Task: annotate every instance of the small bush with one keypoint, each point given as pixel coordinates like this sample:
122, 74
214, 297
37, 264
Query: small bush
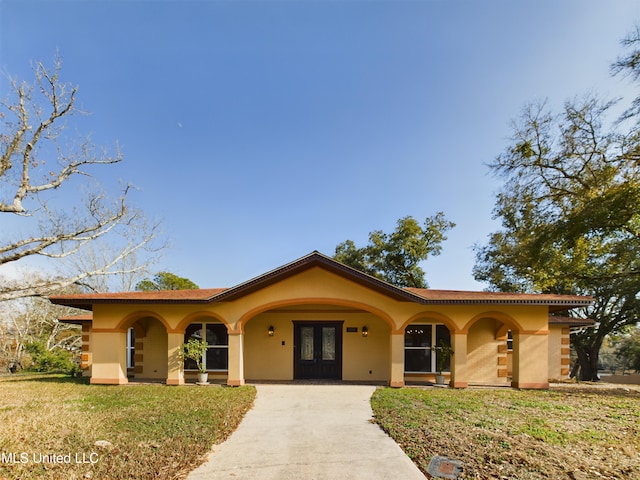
50, 361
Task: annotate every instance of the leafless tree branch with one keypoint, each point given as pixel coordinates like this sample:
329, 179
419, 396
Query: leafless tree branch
33, 165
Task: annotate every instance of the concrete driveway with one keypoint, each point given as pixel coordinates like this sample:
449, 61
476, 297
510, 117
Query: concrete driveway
309, 432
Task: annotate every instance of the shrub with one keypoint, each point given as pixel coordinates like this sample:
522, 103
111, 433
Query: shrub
50, 361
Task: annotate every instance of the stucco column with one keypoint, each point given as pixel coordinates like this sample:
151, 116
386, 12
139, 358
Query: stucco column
175, 365
109, 357
235, 376
397, 359
530, 360
459, 361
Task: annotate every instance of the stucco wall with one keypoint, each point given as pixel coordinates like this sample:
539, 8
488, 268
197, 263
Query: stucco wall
555, 354
482, 352
154, 365
366, 358
317, 295
266, 358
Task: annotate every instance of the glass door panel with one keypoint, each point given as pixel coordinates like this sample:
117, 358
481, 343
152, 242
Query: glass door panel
328, 343
306, 343
317, 349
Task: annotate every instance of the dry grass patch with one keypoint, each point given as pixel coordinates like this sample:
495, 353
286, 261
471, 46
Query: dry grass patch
153, 431
567, 433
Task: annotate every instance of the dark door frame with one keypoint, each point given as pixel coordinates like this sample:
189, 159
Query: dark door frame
317, 368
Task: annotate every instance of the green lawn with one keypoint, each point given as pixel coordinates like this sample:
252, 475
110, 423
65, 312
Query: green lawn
49, 426
161, 432
567, 433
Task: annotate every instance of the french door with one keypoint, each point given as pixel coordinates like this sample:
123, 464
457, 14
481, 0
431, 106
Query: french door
317, 350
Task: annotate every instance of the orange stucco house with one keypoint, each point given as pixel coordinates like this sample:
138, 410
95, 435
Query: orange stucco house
316, 318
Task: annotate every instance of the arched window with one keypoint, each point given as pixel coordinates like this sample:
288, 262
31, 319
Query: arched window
217, 357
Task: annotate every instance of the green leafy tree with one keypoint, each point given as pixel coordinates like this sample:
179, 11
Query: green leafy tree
395, 257
570, 215
628, 350
165, 281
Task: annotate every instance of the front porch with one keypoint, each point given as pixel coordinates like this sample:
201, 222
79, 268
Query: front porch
267, 351
318, 318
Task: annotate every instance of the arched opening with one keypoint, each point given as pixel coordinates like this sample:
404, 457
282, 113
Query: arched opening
146, 346
329, 340
489, 338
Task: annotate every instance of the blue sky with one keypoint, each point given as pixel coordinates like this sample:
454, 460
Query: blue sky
259, 131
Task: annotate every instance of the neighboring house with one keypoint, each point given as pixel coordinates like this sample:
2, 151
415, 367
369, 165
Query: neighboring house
316, 318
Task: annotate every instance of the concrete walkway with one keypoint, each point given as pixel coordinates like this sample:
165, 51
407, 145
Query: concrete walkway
309, 432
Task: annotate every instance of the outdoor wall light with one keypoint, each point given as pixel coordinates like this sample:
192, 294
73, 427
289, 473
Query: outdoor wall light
271, 330
365, 331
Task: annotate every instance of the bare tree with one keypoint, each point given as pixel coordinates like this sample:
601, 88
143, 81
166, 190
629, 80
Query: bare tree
38, 160
28, 320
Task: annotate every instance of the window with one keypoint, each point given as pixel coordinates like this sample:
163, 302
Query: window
217, 357
131, 348
510, 341
419, 340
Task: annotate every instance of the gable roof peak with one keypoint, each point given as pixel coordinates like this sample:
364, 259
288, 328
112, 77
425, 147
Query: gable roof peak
316, 259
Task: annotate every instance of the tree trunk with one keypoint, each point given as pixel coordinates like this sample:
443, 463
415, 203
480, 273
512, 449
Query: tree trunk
588, 361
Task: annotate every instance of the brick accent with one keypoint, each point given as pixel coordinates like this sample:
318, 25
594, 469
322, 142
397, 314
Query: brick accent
85, 358
565, 352
503, 361
138, 357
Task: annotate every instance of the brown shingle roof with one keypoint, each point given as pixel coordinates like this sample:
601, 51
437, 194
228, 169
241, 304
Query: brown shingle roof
316, 259
555, 302
571, 321
86, 300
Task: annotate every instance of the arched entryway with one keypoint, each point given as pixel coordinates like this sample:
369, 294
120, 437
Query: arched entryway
146, 347
486, 353
291, 341
489, 348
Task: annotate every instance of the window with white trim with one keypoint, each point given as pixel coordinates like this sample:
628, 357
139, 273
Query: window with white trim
419, 341
131, 348
217, 338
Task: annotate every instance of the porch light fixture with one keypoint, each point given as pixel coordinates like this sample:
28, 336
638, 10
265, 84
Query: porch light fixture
365, 331
271, 330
